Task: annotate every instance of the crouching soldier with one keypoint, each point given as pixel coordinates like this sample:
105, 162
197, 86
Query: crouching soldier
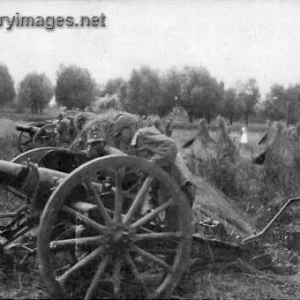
97, 146
151, 144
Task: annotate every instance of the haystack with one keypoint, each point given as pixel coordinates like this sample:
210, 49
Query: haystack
226, 149
108, 102
202, 146
83, 118
281, 161
281, 149
102, 122
269, 136
294, 132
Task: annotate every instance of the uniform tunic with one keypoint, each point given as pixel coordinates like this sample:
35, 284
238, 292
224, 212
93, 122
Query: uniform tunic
151, 144
63, 129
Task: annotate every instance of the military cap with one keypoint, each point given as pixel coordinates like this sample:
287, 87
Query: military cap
95, 135
123, 121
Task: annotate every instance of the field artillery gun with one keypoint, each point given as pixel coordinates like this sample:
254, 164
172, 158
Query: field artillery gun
41, 134
99, 234
36, 134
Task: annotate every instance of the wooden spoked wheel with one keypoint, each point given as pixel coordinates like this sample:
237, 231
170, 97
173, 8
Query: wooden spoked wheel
120, 251
25, 138
34, 155
45, 136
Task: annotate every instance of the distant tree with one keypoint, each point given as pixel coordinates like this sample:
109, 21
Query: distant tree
35, 90
171, 83
74, 87
113, 86
201, 94
283, 103
276, 103
292, 101
230, 106
248, 97
116, 87
7, 89
144, 94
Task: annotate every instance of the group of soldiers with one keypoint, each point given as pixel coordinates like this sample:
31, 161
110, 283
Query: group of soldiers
149, 142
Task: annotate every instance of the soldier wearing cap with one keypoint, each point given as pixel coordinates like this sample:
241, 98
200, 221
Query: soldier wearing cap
97, 146
151, 144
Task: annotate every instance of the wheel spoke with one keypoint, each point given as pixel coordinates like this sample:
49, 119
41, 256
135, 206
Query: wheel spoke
151, 215
85, 220
136, 273
152, 257
138, 199
96, 278
118, 197
99, 203
82, 263
157, 235
84, 241
117, 278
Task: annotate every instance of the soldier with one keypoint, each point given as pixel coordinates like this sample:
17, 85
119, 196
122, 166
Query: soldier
157, 123
63, 129
97, 146
151, 144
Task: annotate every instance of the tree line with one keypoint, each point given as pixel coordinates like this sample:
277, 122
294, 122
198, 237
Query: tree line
194, 88
148, 91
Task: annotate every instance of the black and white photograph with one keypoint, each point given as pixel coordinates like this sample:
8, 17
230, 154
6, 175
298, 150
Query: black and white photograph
149, 149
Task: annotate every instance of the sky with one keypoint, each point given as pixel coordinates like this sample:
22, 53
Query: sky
234, 40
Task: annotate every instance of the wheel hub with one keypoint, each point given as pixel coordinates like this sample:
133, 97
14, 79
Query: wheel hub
117, 241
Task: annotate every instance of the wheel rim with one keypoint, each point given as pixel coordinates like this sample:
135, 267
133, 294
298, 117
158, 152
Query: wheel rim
119, 242
34, 155
46, 136
25, 141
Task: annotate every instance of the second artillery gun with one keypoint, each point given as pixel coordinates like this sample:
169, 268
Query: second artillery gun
36, 134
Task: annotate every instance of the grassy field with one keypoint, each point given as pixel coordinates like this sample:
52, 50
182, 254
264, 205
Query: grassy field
212, 282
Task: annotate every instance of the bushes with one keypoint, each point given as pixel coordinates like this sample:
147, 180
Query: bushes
9, 147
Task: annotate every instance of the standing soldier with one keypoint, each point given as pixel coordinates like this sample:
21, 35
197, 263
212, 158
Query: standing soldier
63, 129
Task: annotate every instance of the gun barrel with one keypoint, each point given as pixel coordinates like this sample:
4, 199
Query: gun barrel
30, 179
12, 174
36, 183
26, 128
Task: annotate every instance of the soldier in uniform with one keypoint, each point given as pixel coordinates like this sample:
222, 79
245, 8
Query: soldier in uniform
151, 144
63, 129
97, 146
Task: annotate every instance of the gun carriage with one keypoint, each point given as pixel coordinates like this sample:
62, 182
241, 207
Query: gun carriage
36, 134
99, 232
40, 134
